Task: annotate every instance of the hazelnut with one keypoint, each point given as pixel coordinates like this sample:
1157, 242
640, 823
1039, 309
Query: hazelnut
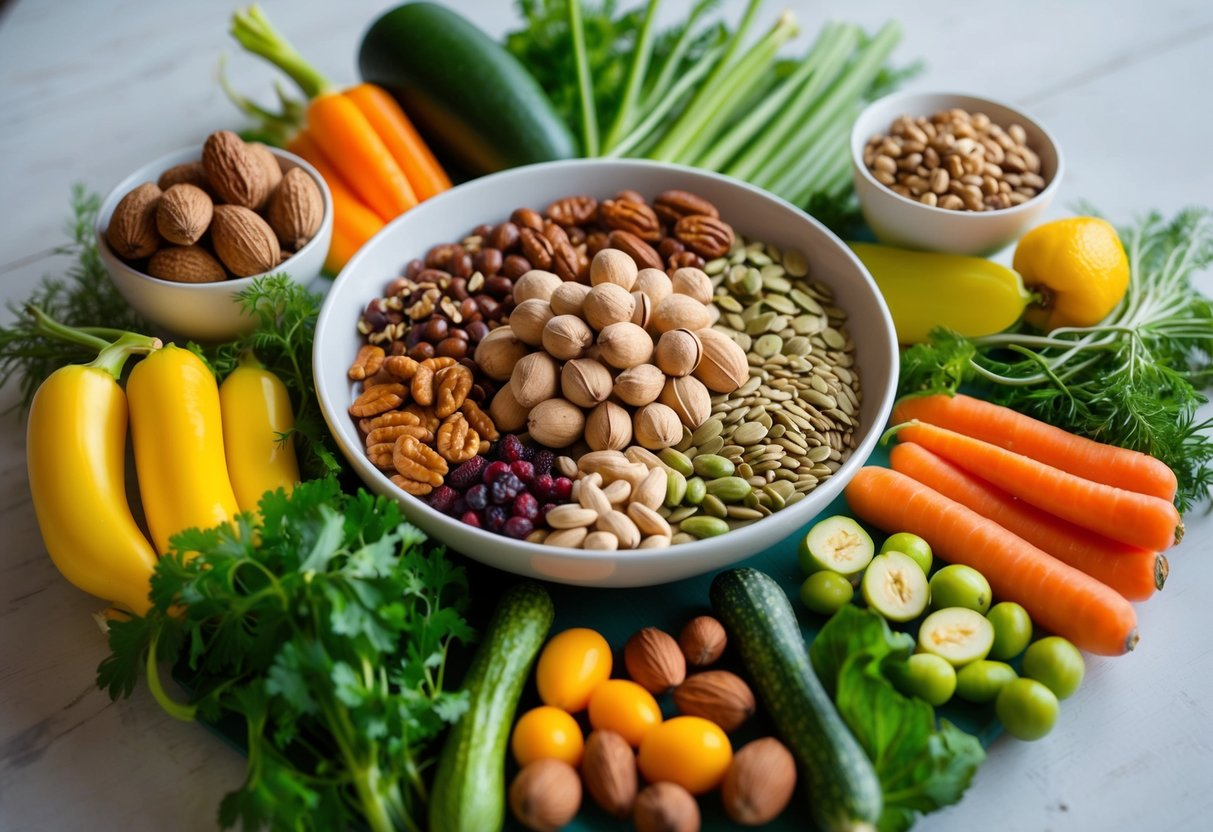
613, 266
546, 794
569, 298
534, 379
655, 284
689, 281
606, 304
557, 423
656, 426
585, 382
536, 284
566, 337
687, 397
608, 428
666, 807
505, 411
528, 320
639, 385
678, 352
625, 345
680, 312
498, 352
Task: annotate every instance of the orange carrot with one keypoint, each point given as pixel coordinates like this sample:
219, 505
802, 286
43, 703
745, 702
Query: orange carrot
402, 139
359, 155
353, 222
1133, 572
1057, 596
1001, 426
1137, 519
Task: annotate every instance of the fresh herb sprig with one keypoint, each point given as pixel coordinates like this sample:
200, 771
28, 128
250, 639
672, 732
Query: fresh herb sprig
324, 625
1133, 380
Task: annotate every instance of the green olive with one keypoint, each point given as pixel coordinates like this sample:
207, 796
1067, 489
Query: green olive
1012, 629
983, 680
960, 586
910, 544
1026, 708
1055, 663
826, 592
927, 676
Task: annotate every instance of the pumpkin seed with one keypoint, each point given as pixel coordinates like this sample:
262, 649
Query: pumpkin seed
713, 506
702, 527
795, 262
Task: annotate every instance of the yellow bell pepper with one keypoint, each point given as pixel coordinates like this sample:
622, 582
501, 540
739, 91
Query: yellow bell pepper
925, 290
76, 455
178, 441
256, 412
1079, 269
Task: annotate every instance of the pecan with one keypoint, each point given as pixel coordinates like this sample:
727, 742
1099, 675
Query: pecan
383, 420
401, 367
707, 236
422, 384
379, 399
417, 489
595, 242
457, 442
572, 210
381, 376
629, 195
635, 217
645, 255
683, 259
526, 218
451, 386
504, 236
381, 455
391, 433
669, 247
671, 206
417, 462
425, 416
537, 249
479, 420
565, 261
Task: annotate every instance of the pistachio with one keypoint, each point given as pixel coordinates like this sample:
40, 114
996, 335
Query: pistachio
655, 284
693, 283
606, 304
608, 427
642, 312
689, 399
724, 366
529, 319
569, 298
536, 284
534, 379
656, 426
680, 312
625, 345
585, 382
613, 266
566, 337
639, 385
679, 352
505, 411
556, 423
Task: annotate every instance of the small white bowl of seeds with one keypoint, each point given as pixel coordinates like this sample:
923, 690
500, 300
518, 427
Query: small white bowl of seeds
951, 172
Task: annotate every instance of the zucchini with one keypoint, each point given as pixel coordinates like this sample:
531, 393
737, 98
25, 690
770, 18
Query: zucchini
469, 786
844, 789
476, 105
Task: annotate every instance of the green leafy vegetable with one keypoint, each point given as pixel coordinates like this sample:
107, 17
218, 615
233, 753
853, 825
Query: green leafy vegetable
922, 766
324, 626
1133, 380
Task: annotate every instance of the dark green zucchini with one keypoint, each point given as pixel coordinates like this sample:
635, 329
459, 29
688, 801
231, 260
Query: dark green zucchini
476, 105
844, 790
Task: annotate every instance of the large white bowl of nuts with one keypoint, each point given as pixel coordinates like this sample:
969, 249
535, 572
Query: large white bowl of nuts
606, 372
949, 172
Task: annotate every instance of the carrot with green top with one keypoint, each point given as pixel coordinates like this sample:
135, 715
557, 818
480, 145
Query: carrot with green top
1004, 427
1059, 597
1138, 519
1133, 572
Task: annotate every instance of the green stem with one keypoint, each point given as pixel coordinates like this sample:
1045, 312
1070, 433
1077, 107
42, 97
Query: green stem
812, 169
113, 358
253, 30
673, 62
175, 709
585, 86
636, 73
46, 325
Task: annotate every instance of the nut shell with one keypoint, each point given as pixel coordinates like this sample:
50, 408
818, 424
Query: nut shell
654, 660
186, 264
498, 352
529, 319
703, 640
296, 208
568, 298
184, 214
566, 337
271, 171
545, 795
680, 312
656, 426
608, 427
556, 423
535, 379
132, 232
655, 283
724, 366
613, 266
235, 173
639, 385
666, 807
692, 282
608, 768
191, 173
716, 695
624, 345
678, 352
759, 783
536, 284
606, 304
505, 411
585, 382
244, 241
689, 398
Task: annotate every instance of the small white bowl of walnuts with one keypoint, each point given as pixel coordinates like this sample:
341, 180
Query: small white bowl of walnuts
183, 235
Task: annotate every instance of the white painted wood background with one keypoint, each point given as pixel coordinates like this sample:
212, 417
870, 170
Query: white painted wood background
89, 90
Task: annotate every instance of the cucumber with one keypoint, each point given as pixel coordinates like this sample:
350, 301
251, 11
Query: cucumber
476, 105
844, 789
469, 786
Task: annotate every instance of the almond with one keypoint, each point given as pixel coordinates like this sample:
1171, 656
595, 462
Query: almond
184, 214
759, 782
608, 769
233, 171
191, 173
296, 208
545, 795
716, 695
666, 807
702, 640
132, 230
244, 242
271, 171
654, 661
186, 264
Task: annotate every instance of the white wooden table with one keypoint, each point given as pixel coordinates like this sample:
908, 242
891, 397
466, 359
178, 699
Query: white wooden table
89, 90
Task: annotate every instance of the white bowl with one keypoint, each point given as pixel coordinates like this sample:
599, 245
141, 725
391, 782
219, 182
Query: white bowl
203, 311
451, 215
900, 221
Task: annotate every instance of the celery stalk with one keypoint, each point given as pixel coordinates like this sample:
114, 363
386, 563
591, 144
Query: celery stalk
791, 121
636, 72
585, 87
727, 146
669, 70
830, 151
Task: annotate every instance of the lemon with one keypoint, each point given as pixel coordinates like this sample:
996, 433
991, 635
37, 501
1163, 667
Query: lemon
1078, 267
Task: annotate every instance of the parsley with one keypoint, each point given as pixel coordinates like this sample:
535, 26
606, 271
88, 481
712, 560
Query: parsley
1133, 380
324, 627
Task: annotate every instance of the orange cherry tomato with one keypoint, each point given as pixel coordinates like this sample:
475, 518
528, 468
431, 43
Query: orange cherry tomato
547, 733
571, 666
626, 708
687, 750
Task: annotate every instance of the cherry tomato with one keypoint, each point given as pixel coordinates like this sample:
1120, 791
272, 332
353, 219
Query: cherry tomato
687, 750
918, 549
1055, 663
626, 708
826, 592
547, 733
927, 676
1026, 708
573, 663
982, 680
1012, 629
960, 586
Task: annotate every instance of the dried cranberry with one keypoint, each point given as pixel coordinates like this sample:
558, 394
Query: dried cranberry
495, 470
525, 505
562, 488
545, 508
495, 518
477, 497
458, 507
518, 527
471, 518
443, 499
542, 486
513, 450
524, 470
505, 488
468, 474
544, 460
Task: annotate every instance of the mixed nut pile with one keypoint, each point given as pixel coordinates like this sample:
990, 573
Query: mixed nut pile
608, 375
233, 213
956, 160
